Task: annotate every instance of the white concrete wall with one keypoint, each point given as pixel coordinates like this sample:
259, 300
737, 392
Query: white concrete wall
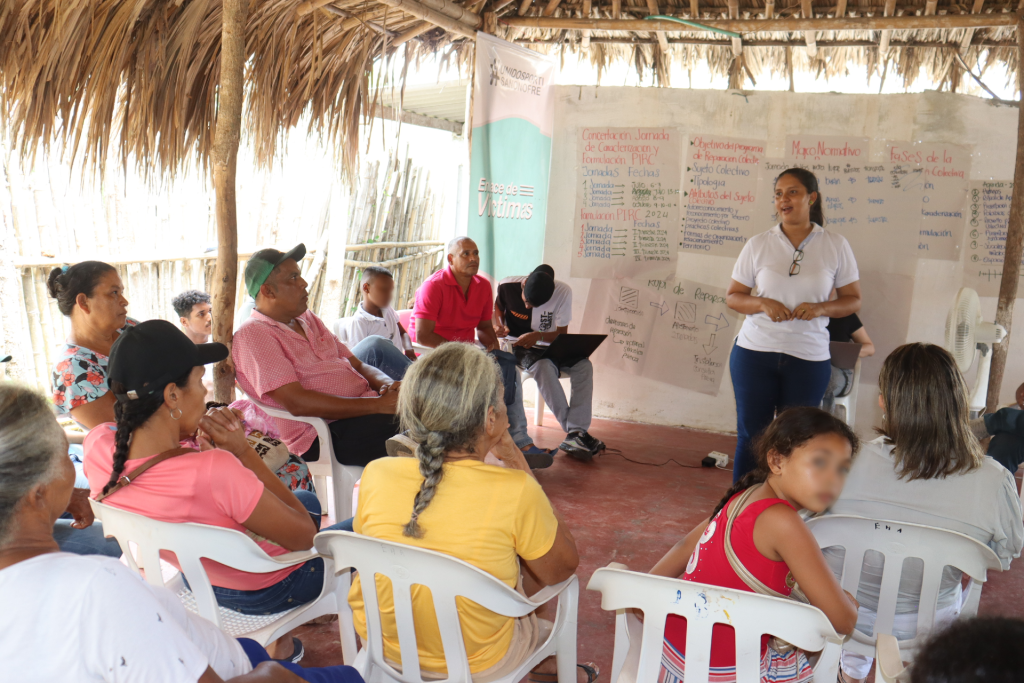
771, 116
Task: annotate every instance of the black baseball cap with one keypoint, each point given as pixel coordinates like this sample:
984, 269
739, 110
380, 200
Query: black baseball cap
262, 263
539, 286
151, 355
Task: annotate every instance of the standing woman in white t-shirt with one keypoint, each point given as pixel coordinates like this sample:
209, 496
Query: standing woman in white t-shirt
781, 356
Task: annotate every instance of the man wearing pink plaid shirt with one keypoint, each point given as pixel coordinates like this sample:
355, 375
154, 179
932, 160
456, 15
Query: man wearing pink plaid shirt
286, 357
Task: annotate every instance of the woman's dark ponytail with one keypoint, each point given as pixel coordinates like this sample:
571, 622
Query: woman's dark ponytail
790, 430
810, 183
65, 283
131, 415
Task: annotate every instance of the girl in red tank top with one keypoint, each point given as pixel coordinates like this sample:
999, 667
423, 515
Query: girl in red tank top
803, 458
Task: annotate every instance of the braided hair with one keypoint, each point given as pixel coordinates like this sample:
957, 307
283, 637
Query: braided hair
443, 406
132, 414
790, 430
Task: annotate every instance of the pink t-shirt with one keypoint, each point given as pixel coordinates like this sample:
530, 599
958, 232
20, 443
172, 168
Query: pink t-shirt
210, 487
455, 315
269, 355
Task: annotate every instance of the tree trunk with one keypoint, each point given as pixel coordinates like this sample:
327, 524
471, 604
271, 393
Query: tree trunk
1014, 248
225, 163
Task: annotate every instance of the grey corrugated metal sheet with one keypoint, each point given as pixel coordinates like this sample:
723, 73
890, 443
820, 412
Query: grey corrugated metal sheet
444, 100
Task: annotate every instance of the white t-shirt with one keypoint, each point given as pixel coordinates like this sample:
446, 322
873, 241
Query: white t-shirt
87, 618
361, 325
557, 312
764, 265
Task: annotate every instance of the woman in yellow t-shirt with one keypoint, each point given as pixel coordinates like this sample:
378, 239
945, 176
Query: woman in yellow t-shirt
448, 500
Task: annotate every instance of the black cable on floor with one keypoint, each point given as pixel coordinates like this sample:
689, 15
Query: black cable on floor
615, 451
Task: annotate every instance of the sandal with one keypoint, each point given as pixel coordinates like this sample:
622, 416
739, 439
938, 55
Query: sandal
590, 668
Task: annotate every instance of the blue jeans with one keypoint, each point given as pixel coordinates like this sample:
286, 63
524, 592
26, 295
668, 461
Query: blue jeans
765, 384
325, 674
88, 541
383, 355
513, 398
301, 586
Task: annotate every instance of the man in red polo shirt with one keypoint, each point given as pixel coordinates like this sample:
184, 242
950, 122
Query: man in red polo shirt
455, 304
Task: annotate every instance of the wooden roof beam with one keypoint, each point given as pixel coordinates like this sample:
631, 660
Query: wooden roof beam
734, 13
969, 33
931, 5
524, 7
807, 12
841, 8
616, 9
552, 5
439, 13
587, 11
883, 42
822, 44
902, 23
769, 9
652, 7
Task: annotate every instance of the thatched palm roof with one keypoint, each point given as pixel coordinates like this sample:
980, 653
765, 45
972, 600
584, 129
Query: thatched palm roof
142, 74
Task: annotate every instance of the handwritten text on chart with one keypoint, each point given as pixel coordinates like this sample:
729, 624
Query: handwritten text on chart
627, 202
947, 169
988, 217
719, 188
674, 331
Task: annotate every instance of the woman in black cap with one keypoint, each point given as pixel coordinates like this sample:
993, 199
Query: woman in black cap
156, 372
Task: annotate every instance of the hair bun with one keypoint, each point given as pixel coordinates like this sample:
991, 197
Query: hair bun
55, 281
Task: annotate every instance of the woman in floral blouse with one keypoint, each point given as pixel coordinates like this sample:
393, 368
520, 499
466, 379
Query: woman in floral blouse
91, 294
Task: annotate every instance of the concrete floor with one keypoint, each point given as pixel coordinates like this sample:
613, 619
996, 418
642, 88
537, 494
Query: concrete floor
630, 506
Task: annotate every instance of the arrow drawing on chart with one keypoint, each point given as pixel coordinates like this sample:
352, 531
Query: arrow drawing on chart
709, 351
661, 306
720, 322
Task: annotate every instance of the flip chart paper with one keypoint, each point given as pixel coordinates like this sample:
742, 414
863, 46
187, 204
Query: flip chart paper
988, 217
627, 202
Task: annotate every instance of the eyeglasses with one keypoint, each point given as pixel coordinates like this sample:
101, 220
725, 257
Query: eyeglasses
794, 268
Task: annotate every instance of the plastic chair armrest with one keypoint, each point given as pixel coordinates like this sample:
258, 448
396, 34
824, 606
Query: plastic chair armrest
887, 655
549, 592
295, 557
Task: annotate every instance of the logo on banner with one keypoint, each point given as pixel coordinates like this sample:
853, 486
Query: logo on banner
504, 201
516, 80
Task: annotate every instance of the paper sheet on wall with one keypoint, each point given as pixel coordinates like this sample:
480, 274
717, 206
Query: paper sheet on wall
817, 148
673, 331
875, 206
988, 217
719, 190
947, 169
627, 202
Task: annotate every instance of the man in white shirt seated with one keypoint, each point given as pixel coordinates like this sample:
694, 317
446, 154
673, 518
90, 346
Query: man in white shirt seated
374, 333
531, 311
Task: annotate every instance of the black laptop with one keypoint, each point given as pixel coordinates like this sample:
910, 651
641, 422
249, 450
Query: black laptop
565, 351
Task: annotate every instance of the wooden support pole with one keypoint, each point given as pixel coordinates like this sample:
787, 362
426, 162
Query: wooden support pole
969, 33
412, 33
807, 12
694, 10
552, 5
464, 25
734, 13
772, 43
769, 9
1014, 248
225, 162
616, 9
524, 7
904, 23
841, 8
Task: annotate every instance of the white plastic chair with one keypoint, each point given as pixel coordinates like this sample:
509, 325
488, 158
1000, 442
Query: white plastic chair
446, 577
190, 542
897, 541
638, 646
849, 402
343, 477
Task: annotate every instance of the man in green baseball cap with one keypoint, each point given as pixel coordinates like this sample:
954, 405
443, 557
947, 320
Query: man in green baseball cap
285, 356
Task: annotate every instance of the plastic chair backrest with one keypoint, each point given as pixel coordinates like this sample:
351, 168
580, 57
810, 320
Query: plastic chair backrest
750, 614
897, 541
447, 578
405, 318
190, 543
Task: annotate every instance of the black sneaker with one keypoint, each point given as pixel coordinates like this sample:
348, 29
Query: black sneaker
538, 458
576, 448
592, 442
297, 654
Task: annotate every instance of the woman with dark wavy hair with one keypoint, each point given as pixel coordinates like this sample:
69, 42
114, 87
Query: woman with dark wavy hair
926, 467
781, 355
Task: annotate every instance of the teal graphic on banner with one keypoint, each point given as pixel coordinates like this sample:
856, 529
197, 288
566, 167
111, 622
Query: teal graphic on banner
511, 156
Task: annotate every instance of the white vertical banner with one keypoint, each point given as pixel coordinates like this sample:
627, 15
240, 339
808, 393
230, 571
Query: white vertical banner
513, 118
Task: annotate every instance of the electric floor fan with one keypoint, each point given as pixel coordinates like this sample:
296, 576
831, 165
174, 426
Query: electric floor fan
969, 337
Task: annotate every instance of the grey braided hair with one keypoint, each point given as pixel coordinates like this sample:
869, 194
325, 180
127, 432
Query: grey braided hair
443, 406
31, 444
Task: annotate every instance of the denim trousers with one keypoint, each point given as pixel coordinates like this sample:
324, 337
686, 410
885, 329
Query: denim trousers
766, 383
324, 674
513, 397
88, 541
380, 353
301, 586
